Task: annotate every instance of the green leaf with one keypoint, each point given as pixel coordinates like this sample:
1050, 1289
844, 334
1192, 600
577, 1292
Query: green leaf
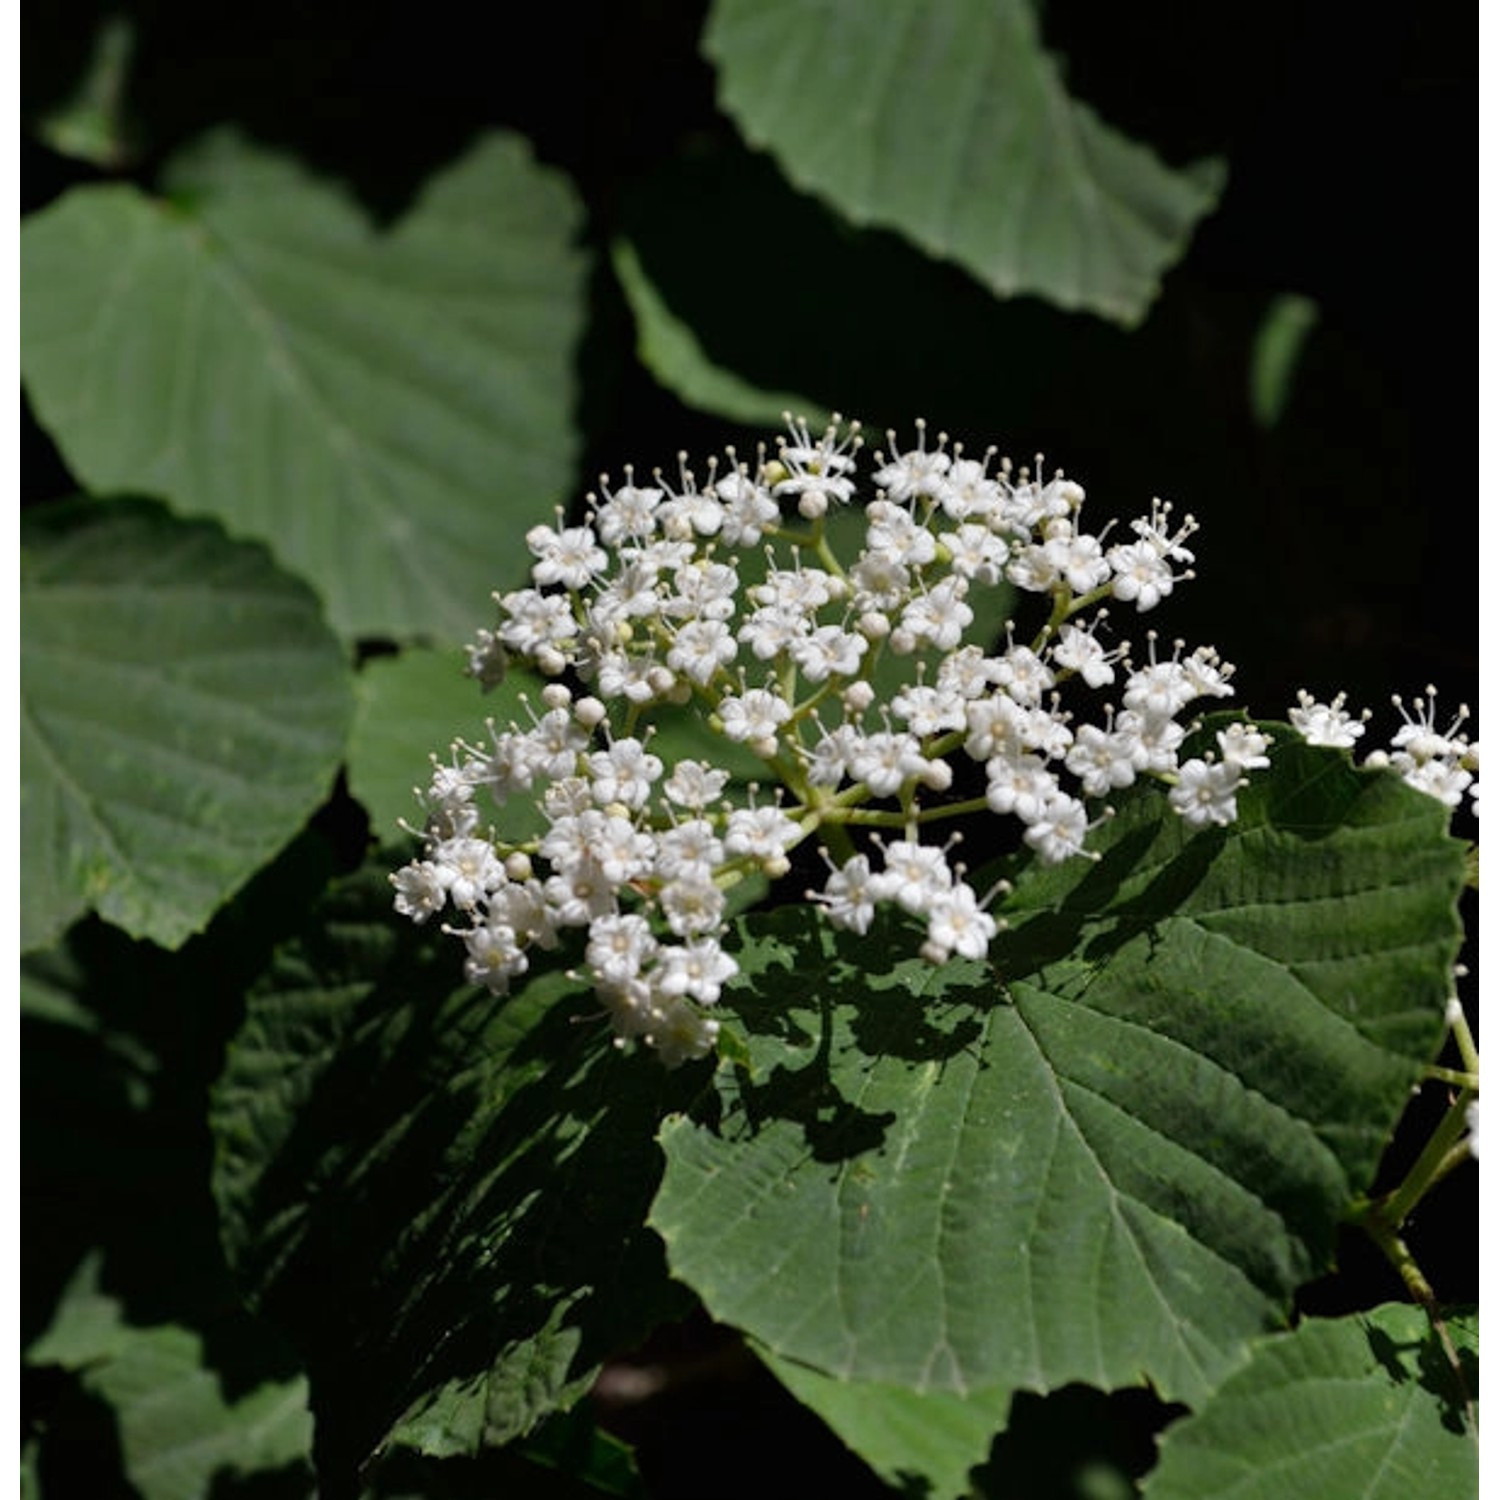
1356, 1408
950, 124
1111, 1154
384, 410
183, 711
91, 124
87, 1327
567, 1458
182, 1420
473, 1173
413, 706
1279, 343
178, 1427
918, 1443
669, 348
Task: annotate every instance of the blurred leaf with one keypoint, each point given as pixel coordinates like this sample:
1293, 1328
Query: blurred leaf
87, 1327
183, 711
179, 1431
91, 124
669, 348
1357, 1408
1278, 347
472, 1172
922, 1443
181, 1419
413, 706
949, 123
1112, 1153
383, 410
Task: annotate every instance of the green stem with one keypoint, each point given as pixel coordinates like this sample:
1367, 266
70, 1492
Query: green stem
837, 841
1438, 1074
1465, 1040
1395, 1208
1396, 1252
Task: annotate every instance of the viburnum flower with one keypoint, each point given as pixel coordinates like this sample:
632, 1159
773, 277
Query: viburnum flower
825, 621
1443, 763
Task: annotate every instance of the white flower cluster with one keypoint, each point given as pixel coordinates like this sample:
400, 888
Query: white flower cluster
730, 596
1444, 763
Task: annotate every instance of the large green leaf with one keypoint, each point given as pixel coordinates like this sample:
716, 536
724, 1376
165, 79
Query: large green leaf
470, 1174
183, 711
948, 122
1358, 1408
384, 410
1111, 1154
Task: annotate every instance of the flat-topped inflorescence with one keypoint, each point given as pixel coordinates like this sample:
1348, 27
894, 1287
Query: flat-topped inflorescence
731, 597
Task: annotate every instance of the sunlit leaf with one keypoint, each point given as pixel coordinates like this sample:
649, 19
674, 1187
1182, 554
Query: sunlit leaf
950, 123
183, 711
1112, 1153
383, 409
1358, 1408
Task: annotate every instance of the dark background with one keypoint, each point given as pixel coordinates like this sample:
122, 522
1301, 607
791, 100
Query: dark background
1338, 548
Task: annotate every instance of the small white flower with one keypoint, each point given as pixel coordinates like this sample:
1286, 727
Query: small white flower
828, 652
957, 924
918, 474
1079, 651
915, 875
700, 649
1060, 831
885, 760
1204, 793
420, 890
761, 833
680, 1033
691, 905
629, 514
570, 557
1101, 761
469, 869
754, 717
1325, 723
698, 969
619, 947
1020, 784
690, 848
623, 773
1143, 577
849, 897
1243, 745
694, 785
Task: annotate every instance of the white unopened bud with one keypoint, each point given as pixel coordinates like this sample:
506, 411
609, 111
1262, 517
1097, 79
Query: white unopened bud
555, 695
858, 696
813, 505
590, 712
551, 662
518, 866
938, 775
874, 626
